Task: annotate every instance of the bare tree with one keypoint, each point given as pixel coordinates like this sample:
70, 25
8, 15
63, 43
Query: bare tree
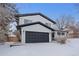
65, 21
77, 9
77, 26
7, 12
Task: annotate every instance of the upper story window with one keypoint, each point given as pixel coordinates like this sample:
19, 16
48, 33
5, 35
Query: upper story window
48, 24
27, 21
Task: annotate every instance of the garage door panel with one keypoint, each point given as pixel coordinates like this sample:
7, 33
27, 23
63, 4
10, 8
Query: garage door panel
32, 37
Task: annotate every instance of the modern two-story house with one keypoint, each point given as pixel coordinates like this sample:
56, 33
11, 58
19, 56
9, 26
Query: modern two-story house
36, 27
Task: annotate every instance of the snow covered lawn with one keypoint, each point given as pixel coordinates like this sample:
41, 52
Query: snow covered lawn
71, 48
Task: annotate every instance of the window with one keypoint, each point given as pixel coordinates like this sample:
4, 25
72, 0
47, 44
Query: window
60, 33
48, 24
1, 4
27, 21
63, 33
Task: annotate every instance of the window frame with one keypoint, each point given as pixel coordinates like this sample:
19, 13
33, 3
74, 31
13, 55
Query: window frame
48, 24
60, 33
26, 21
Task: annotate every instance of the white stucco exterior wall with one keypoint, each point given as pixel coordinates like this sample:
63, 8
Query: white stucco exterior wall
35, 28
36, 18
22, 36
50, 36
58, 36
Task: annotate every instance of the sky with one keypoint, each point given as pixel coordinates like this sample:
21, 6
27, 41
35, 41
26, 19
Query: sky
52, 10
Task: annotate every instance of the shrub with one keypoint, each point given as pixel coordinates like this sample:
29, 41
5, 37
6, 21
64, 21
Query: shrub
61, 40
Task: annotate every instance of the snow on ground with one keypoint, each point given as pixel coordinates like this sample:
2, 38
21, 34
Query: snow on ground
71, 48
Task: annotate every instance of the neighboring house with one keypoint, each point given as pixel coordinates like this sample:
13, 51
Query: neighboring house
36, 27
73, 32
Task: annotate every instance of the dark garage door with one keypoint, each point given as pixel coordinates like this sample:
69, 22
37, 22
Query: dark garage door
33, 37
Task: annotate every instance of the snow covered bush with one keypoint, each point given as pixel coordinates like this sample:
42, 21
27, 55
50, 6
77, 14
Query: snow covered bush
61, 39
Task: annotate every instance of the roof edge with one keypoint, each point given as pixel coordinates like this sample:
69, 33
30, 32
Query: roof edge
32, 14
34, 24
